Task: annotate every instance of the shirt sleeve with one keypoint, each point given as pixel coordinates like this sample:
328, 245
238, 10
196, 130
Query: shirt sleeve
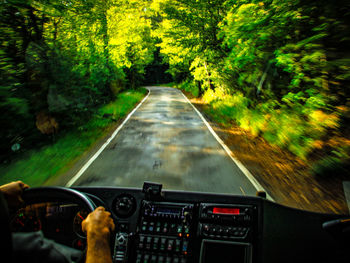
34, 247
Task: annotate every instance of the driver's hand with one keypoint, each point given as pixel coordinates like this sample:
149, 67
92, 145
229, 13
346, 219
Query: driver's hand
13, 193
98, 222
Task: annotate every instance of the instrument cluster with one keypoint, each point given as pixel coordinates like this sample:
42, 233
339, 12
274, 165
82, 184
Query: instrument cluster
58, 221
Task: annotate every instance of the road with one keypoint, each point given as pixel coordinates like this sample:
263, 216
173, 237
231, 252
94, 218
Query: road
166, 141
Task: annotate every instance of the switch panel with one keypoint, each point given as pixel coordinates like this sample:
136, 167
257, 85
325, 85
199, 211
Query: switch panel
164, 232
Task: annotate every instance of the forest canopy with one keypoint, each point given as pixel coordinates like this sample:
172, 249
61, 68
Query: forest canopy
277, 68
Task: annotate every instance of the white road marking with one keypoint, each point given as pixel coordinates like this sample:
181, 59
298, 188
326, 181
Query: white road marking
244, 170
346, 187
86, 166
242, 190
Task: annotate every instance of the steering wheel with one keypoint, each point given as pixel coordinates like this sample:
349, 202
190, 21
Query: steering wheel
39, 195
56, 193
52, 194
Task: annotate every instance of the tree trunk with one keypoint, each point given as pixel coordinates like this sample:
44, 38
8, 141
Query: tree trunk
210, 83
200, 91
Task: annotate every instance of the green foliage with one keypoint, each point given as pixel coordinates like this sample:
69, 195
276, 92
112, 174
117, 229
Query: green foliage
125, 101
131, 44
278, 69
38, 166
189, 86
61, 61
331, 166
279, 125
189, 41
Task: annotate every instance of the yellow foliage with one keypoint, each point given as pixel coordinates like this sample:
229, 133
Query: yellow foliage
321, 118
244, 122
209, 96
218, 94
318, 144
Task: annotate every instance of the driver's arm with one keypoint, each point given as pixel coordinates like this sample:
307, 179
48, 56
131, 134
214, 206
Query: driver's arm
98, 226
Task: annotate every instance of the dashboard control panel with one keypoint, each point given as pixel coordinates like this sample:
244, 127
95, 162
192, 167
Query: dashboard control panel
164, 232
223, 232
226, 229
226, 222
174, 232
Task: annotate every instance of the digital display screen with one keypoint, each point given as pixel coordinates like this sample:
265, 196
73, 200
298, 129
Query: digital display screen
226, 211
168, 211
224, 252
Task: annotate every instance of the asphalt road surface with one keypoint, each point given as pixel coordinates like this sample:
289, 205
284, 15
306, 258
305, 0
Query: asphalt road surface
166, 141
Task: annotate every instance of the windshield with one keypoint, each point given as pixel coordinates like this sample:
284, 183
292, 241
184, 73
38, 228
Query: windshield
224, 96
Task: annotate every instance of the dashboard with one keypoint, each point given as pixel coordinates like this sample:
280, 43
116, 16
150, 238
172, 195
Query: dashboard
182, 227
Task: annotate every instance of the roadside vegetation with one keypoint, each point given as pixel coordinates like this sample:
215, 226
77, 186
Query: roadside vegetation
278, 69
36, 166
69, 70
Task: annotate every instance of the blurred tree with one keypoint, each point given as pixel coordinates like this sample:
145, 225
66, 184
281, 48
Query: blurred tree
131, 44
189, 33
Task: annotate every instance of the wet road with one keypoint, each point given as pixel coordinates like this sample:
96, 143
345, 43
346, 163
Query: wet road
166, 141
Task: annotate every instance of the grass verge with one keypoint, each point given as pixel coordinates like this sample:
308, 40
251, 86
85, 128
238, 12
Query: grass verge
37, 166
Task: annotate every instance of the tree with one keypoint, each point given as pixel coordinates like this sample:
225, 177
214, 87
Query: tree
131, 44
189, 34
